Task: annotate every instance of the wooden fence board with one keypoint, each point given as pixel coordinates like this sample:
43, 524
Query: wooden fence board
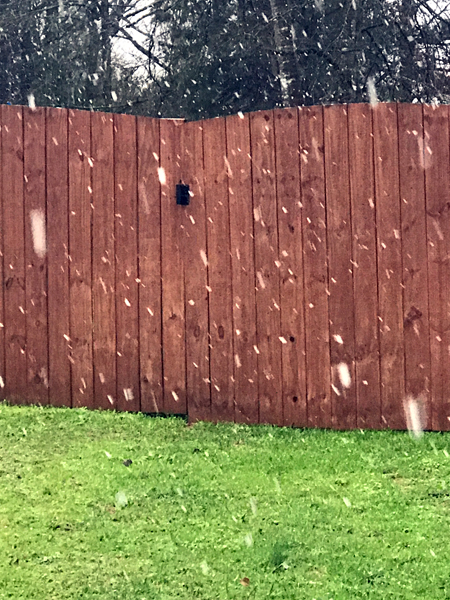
173, 293
2, 270
267, 274
195, 257
362, 191
243, 272
58, 258
414, 253
291, 267
14, 255
315, 266
340, 268
437, 191
35, 255
80, 275
103, 261
389, 265
220, 279
149, 236
127, 307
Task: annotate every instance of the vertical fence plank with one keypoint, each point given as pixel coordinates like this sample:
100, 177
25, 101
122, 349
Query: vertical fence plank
35, 255
340, 268
127, 307
173, 293
2, 265
367, 360
291, 267
80, 276
58, 261
14, 254
149, 236
389, 265
414, 246
437, 192
195, 255
267, 274
243, 273
220, 297
103, 262
315, 266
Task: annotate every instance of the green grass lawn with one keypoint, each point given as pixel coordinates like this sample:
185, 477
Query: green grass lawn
217, 511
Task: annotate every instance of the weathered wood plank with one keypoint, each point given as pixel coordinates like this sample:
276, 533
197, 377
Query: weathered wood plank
390, 292
315, 266
437, 190
220, 297
35, 255
267, 274
291, 267
195, 257
2, 271
414, 254
340, 268
127, 308
243, 271
173, 292
80, 241
149, 236
58, 258
103, 261
365, 285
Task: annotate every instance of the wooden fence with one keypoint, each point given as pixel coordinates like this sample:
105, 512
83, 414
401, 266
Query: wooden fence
307, 283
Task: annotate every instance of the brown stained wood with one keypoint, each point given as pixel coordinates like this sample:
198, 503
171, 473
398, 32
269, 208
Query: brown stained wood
58, 261
340, 268
14, 255
103, 261
195, 255
219, 270
367, 360
2, 278
80, 273
390, 291
149, 235
414, 250
291, 267
35, 255
127, 307
437, 192
243, 272
173, 293
312, 181
267, 274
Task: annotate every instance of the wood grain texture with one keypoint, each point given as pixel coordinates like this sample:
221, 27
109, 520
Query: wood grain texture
389, 248
195, 258
340, 268
35, 215
267, 273
173, 292
127, 307
365, 285
219, 271
103, 261
289, 215
315, 266
58, 258
149, 235
243, 269
437, 190
2, 268
80, 271
14, 255
414, 254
